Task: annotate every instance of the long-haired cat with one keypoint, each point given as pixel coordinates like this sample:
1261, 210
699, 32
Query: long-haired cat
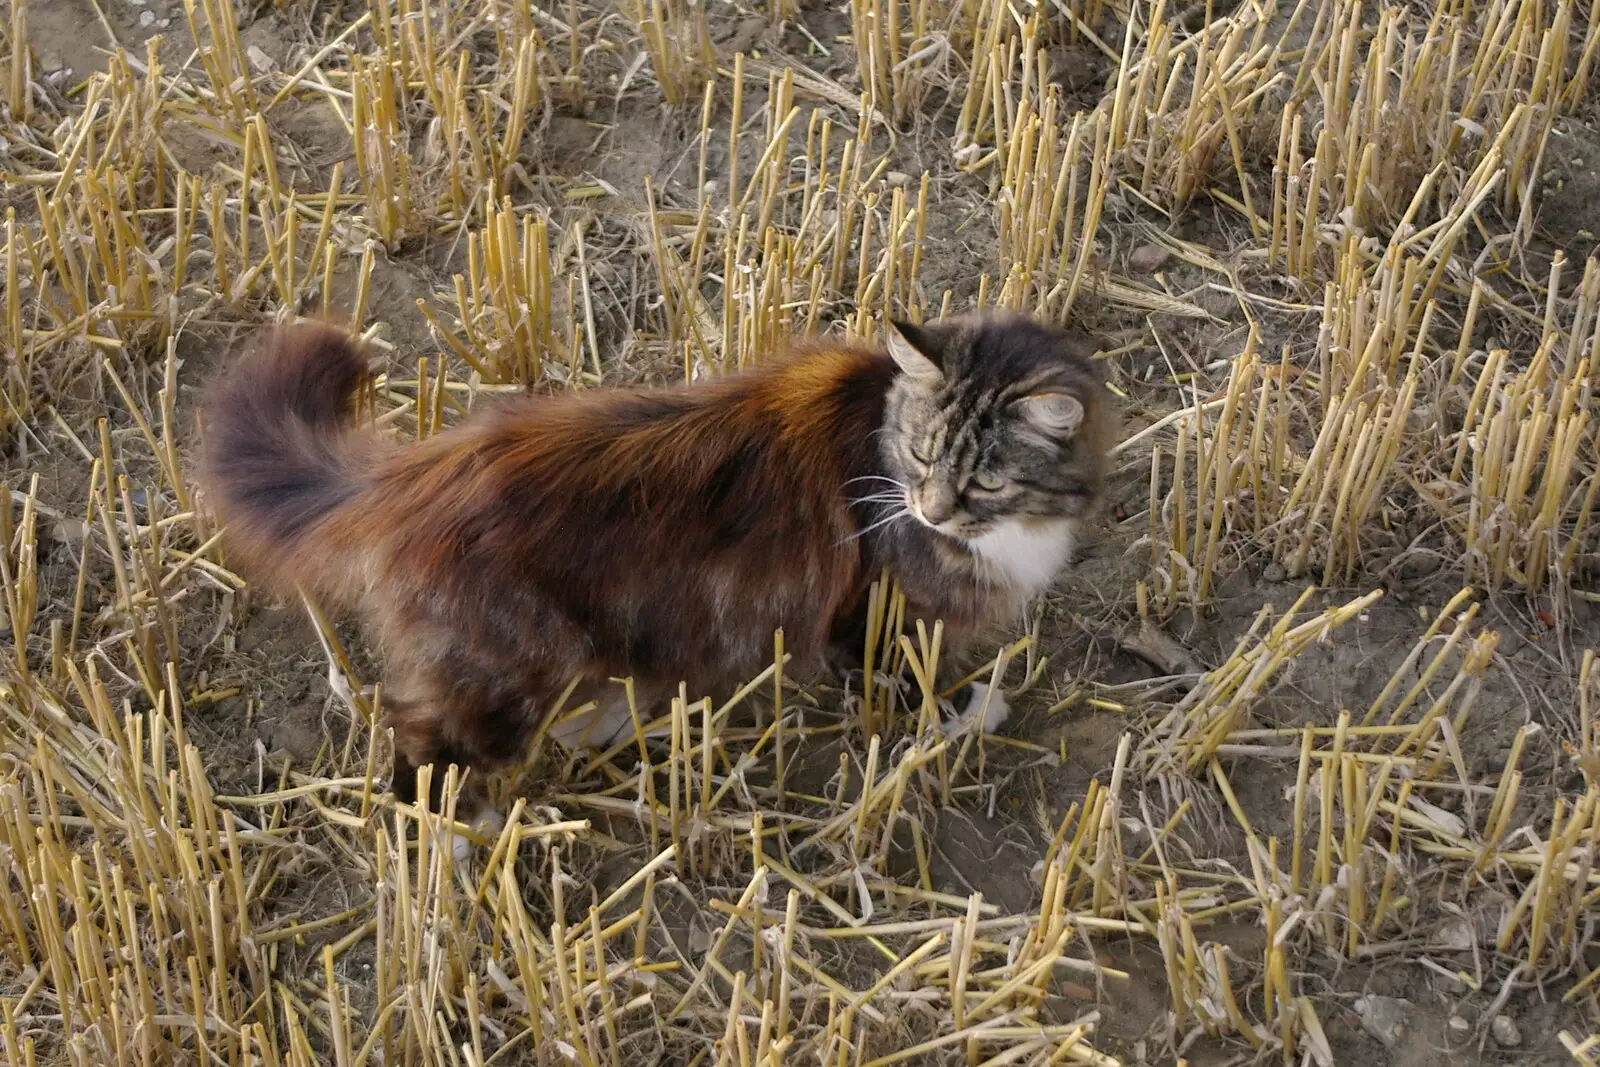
659, 534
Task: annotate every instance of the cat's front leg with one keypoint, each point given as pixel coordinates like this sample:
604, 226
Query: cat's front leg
982, 707
986, 711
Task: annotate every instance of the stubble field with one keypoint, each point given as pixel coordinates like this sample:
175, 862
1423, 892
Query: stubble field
1307, 769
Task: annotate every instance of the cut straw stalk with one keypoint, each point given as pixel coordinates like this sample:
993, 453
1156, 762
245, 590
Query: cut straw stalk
787, 250
19, 65
678, 39
504, 301
1375, 347
1527, 512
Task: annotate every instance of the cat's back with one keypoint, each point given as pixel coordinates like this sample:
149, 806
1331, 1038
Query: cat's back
653, 526
760, 451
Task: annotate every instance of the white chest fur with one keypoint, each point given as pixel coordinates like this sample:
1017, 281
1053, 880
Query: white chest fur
1024, 557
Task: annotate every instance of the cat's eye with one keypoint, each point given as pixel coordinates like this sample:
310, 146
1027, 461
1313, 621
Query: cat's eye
989, 483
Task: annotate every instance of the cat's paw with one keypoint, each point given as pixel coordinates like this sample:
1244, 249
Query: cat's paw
489, 823
596, 729
986, 712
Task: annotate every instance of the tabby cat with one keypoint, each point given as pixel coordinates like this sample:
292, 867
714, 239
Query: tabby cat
660, 534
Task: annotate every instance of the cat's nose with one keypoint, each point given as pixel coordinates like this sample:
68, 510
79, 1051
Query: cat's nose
937, 506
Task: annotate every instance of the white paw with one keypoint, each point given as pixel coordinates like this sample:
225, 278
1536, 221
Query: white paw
986, 711
598, 728
489, 823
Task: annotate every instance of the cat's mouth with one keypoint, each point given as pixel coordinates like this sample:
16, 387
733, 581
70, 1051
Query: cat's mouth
957, 529
1072, 504
944, 526
967, 530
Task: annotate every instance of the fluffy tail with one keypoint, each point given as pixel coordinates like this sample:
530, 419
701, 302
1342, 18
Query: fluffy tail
279, 454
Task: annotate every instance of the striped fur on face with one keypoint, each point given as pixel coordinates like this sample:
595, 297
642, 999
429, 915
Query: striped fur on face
992, 423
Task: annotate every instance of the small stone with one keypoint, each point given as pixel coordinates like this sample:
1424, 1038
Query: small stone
1383, 1017
1458, 1025
1148, 258
1419, 566
1274, 572
967, 155
1455, 935
68, 531
259, 59
147, 19
897, 178
1503, 1028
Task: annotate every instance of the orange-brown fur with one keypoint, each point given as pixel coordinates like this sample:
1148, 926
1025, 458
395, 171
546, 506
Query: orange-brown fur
658, 534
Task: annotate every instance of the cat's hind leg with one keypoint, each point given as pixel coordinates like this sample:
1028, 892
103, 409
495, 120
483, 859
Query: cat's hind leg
478, 728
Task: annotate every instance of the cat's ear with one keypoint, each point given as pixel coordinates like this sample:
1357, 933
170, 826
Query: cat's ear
1057, 414
916, 352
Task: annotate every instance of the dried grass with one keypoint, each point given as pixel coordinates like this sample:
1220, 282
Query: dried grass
1404, 386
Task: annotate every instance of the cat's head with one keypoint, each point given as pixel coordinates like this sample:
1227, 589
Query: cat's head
994, 418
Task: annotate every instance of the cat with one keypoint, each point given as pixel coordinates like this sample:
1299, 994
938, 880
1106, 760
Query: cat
548, 545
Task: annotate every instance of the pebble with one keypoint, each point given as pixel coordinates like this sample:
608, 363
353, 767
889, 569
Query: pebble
1383, 1017
68, 531
1274, 572
1503, 1028
1148, 258
1420, 567
967, 155
897, 178
147, 19
1458, 1025
1456, 934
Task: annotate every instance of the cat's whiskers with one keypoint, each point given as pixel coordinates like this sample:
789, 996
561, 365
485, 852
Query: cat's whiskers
899, 513
897, 493
879, 498
875, 478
